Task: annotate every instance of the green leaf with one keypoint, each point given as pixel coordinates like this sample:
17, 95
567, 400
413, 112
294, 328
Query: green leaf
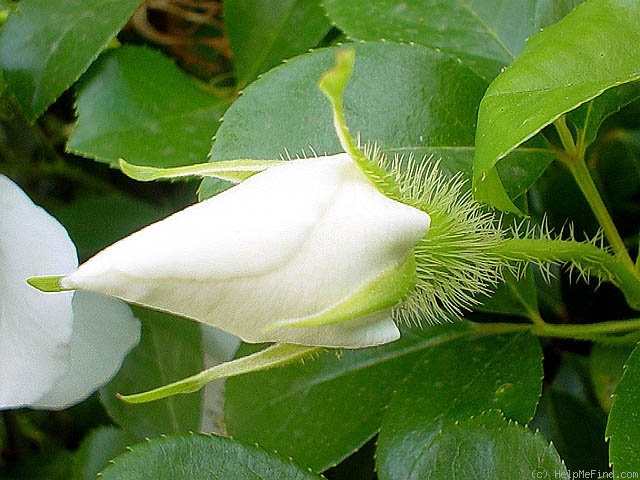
497, 372
420, 100
549, 12
45, 46
606, 364
201, 457
578, 432
136, 104
572, 377
476, 32
170, 349
487, 446
568, 417
323, 410
263, 34
561, 199
97, 449
486, 35
588, 118
623, 427
562, 67
423, 103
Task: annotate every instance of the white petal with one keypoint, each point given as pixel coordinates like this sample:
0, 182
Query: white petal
34, 328
286, 244
104, 331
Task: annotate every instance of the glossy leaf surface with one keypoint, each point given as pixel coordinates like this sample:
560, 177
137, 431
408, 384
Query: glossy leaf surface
263, 34
486, 35
424, 104
497, 372
562, 67
623, 427
98, 449
45, 46
136, 104
200, 456
487, 446
323, 410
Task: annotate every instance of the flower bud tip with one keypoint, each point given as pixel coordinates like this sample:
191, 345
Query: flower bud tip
47, 284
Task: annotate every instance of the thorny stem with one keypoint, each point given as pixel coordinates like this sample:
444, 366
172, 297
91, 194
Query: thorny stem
590, 259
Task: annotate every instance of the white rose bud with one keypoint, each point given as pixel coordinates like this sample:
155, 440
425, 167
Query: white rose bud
307, 252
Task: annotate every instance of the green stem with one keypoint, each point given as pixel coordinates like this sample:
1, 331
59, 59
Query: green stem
594, 331
574, 160
531, 313
584, 180
588, 257
566, 138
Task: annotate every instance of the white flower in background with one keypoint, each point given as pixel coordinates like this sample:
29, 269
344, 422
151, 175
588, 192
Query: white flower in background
307, 252
55, 350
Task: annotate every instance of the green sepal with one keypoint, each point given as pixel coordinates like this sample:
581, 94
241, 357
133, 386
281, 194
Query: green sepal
48, 283
332, 84
234, 171
274, 356
383, 292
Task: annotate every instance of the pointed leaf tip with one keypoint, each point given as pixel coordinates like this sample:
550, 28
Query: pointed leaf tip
47, 284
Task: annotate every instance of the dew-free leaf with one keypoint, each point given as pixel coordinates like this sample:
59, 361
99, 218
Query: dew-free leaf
263, 34
453, 382
136, 104
45, 46
623, 427
170, 349
488, 446
560, 68
343, 393
201, 456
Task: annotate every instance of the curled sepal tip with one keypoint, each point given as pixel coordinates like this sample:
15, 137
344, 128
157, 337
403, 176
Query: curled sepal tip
234, 171
273, 356
48, 283
333, 83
